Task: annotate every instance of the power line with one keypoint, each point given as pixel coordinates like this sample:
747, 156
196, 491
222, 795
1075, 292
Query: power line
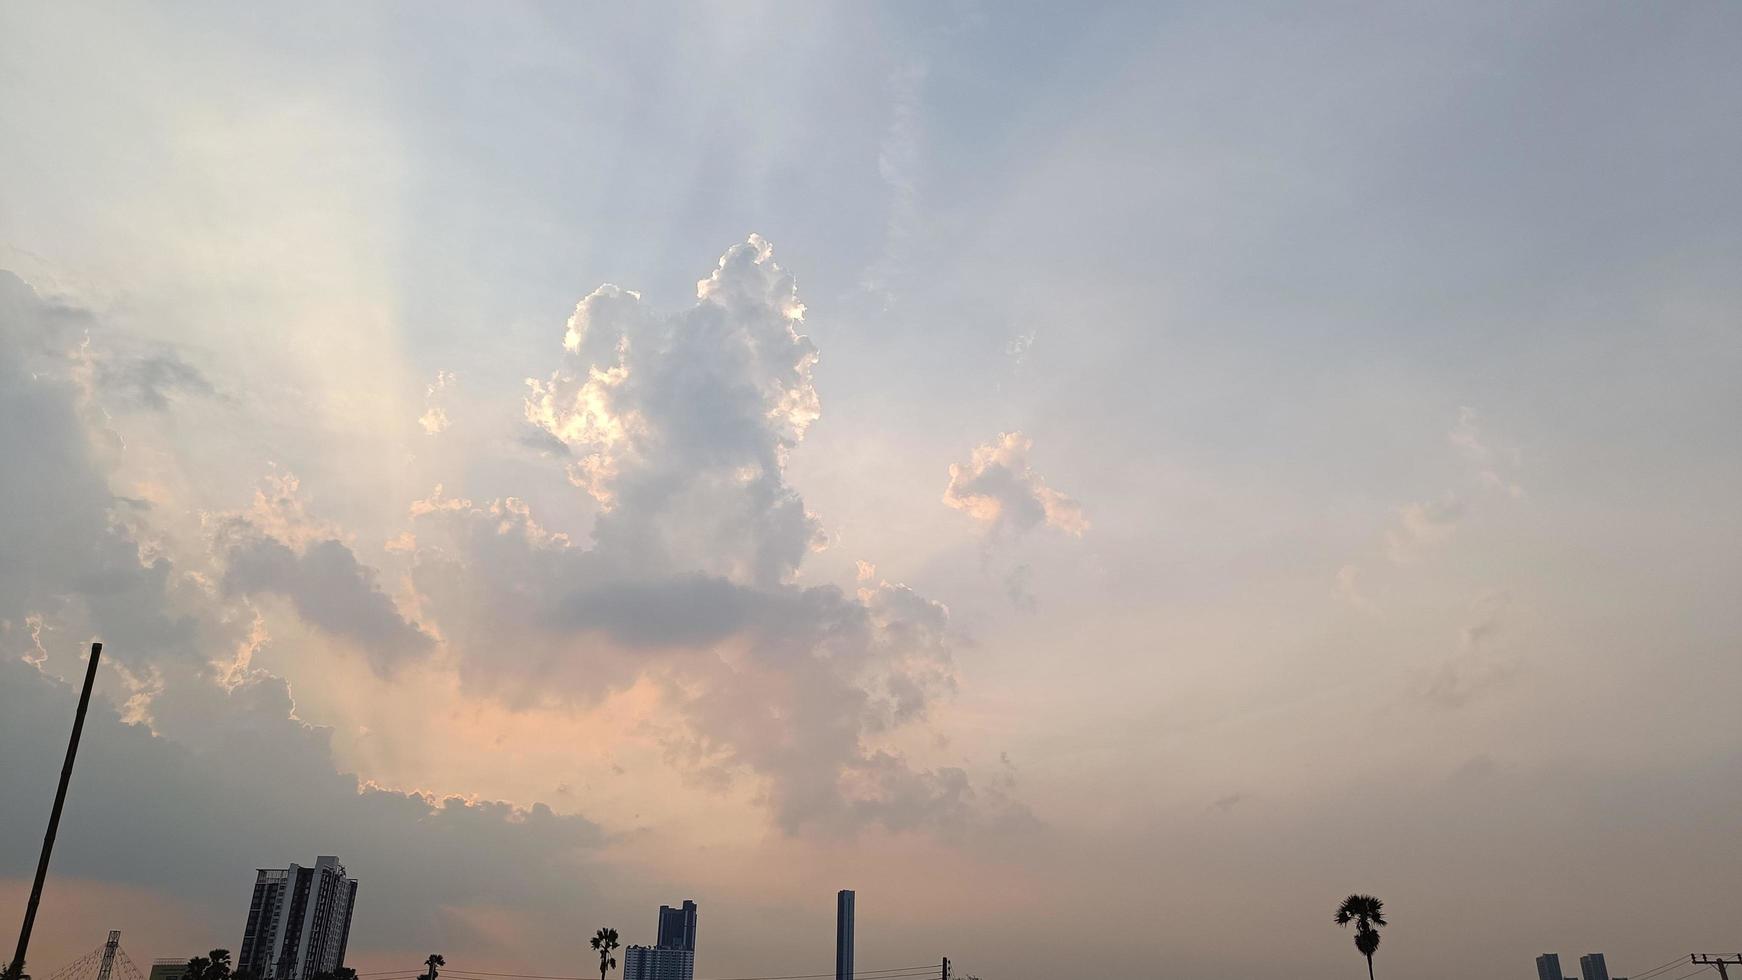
1660, 968
894, 973
1722, 962
927, 969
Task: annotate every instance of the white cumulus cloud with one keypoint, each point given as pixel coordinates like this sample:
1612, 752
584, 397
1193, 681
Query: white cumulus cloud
435, 416
998, 488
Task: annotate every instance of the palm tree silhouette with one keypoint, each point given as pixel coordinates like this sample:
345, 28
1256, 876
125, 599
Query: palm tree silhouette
433, 961
1366, 912
605, 940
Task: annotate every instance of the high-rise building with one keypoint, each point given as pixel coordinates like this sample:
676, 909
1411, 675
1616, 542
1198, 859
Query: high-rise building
169, 968
298, 921
1593, 967
1548, 967
674, 957
844, 935
677, 927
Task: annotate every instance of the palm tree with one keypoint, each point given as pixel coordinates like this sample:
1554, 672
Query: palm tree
605, 940
1366, 912
432, 961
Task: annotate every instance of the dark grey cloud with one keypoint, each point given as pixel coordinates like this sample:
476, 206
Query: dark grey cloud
192, 818
67, 553
541, 441
328, 586
778, 682
151, 380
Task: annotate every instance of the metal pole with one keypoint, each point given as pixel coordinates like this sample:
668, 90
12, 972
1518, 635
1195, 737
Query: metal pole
60, 799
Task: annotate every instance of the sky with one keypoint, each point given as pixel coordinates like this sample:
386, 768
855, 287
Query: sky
1104, 482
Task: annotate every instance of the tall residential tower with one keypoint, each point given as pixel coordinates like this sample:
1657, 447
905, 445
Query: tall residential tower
674, 958
844, 935
298, 921
677, 927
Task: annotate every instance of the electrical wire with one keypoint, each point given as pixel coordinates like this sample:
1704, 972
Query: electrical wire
1661, 968
894, 973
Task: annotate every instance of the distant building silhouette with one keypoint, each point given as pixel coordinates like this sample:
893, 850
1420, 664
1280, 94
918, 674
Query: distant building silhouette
169, 968
844, 935
1548, 967
1593, 967
674, 958
299, 921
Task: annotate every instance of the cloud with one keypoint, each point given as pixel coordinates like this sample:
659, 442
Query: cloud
1225, 804
72, 565
191, 817
542, 442
899, 155
787, 686
1478, 667
1349, 589
679, 425
1490, 463
151, 380
275, 548
1017, 588
1423, 526
435, 418
998, 488
213, 774
330, 590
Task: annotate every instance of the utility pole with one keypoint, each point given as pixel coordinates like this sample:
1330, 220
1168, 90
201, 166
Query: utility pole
946, 969
109, 948
1718, 960
60, 799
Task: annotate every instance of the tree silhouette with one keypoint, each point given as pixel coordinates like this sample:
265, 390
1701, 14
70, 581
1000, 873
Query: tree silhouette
212, 966
432, 961
605, 940
1366, 912
342, 973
